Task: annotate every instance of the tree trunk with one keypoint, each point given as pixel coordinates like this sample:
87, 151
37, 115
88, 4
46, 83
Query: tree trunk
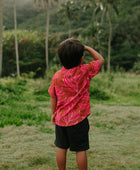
1, 37
16, 42
109, 42
47, 32
100, 42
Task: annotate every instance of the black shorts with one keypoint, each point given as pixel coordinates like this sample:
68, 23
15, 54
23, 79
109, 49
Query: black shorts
74, 137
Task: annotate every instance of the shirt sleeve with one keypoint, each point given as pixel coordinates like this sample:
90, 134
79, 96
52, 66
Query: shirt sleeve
51, 90
93, 68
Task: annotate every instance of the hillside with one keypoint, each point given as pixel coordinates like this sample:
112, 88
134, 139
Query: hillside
78, 17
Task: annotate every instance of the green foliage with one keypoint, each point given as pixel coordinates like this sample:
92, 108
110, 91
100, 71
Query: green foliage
31, 52
18, 114
91, 29
98, 94
100, 85
51, 71
15, 95
136, 67
125, 44
42, 93
106, 87
12, 90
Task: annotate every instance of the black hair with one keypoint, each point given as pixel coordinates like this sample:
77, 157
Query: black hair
70, 52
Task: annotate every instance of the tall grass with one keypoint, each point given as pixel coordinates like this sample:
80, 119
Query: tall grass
120, 87
21, 100
20, 103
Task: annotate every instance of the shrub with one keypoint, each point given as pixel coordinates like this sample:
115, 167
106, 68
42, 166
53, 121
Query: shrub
136, 67
31, 45
51, 71
98, 94
12, 90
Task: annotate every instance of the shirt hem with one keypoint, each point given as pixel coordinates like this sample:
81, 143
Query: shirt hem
72, 124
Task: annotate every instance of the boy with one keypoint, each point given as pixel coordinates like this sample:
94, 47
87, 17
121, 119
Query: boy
70, 103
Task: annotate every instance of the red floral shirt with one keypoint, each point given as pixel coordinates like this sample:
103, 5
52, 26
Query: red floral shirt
71, 88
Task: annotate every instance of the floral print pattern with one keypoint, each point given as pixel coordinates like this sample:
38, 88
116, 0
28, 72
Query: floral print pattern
71, 88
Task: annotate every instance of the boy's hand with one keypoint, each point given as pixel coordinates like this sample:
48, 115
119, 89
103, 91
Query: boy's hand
85, 48
94, 54
53, 119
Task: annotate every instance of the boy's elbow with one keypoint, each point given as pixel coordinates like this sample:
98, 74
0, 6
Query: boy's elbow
101, 62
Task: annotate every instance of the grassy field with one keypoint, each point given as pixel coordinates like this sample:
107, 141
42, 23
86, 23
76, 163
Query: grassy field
27, 135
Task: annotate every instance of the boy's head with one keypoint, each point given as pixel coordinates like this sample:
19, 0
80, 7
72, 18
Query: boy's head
70, 52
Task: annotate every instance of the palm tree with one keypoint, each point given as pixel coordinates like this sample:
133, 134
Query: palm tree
1, 29
98, 24
106, 8
70, 10
16, 41
47, 4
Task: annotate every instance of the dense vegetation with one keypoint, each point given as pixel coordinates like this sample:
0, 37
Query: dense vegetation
83, 24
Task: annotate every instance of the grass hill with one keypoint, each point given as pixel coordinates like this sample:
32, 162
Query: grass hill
27, 135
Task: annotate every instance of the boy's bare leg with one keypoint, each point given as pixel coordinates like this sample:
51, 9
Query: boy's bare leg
61, 158
81, 160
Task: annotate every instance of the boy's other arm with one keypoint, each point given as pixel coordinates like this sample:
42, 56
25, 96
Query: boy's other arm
94, 54
53, 108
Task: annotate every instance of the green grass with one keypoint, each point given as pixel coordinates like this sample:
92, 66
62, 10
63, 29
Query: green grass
27, 135
21, 104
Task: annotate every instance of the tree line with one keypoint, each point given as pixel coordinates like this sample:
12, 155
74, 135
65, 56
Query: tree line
109, 26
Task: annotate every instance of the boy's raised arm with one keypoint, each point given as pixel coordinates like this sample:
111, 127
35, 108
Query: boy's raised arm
94, 54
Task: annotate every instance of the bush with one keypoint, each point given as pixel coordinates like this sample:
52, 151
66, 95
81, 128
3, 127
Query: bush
51, 71
136, 67
12, 90
31, 45
98, 94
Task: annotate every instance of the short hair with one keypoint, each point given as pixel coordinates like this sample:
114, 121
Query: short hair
70, 52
